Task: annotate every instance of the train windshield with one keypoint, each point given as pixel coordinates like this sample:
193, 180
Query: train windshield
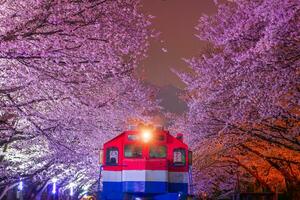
133, 151
158, 151
179, 157
112, 156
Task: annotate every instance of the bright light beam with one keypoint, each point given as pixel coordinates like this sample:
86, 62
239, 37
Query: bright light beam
54, 180
20, 186
71, 189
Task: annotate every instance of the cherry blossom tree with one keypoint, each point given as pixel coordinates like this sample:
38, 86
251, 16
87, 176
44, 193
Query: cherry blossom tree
244, 95
67, 84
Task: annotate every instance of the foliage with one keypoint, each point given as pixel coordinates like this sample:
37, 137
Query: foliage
244, 96
67, 85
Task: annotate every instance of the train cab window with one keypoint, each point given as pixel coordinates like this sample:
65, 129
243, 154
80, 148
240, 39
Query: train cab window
179, 157
158, 151
133, 151
112, 156
132, 137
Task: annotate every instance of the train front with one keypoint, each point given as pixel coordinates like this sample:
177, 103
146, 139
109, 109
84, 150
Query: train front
145, 164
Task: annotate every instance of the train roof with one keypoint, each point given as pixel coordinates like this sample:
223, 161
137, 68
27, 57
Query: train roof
178, 137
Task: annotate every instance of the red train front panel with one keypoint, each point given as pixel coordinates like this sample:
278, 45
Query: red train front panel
145, 163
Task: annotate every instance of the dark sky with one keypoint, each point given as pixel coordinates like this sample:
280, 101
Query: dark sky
175, 20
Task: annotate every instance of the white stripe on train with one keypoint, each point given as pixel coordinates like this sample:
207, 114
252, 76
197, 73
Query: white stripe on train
145, 175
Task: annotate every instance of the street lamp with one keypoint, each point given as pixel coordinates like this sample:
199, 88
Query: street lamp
20, 190
20, 186
54, 180
71, 189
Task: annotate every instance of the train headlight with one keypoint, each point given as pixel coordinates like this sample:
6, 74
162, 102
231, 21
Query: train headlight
146, 135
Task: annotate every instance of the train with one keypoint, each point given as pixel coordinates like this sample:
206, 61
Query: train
148, 163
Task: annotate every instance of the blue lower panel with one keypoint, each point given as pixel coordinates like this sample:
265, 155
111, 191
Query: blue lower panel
112, 191
112, 187
145, 187
135, 187
170, 196
112, 196
159, 190
178, 187
122, 196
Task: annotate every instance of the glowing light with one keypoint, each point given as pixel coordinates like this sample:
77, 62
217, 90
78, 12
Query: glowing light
71, 189
54, 180
20, 186
146, 135
179, 195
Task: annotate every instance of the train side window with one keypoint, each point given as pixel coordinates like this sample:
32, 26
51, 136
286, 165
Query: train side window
158, 151
179, 157
112, 156
133, 151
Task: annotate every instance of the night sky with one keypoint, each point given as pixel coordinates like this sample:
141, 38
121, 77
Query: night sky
175, 20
